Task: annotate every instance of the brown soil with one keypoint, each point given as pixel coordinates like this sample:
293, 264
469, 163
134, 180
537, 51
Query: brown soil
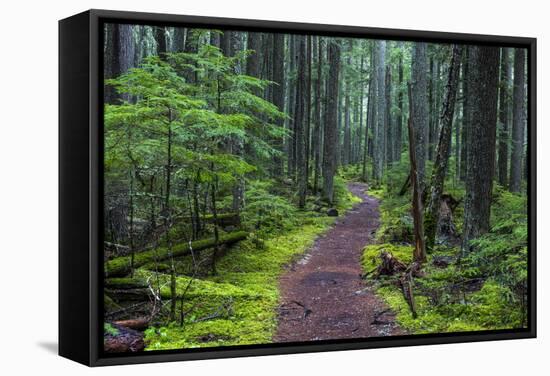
323, 295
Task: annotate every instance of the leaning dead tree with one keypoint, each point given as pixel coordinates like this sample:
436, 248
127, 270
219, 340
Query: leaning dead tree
432, 214
419, 254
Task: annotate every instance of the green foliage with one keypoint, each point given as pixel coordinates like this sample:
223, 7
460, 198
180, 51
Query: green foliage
501, 254
343, 198
109, 329
351, 172
266, 211
482, 291
163, 116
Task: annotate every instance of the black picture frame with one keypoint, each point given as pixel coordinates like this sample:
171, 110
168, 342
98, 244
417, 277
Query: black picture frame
80, 186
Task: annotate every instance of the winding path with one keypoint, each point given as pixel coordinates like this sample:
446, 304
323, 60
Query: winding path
323, 295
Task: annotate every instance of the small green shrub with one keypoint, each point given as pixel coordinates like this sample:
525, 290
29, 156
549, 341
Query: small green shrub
109, 329
267, 212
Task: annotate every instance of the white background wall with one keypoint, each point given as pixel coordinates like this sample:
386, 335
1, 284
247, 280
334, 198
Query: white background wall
28, 185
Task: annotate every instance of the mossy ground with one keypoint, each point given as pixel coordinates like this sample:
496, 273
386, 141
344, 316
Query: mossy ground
470, 293
237, 305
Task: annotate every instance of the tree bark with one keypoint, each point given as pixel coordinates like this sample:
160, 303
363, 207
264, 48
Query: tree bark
299, 121
399, 123
466, 114
503, 109
346, 149
483, 83
317, 133
291, 150
443, 151
379, 141
178, 43
253, 60
160, 40
278, 95
389, 134
330, 134
419, 253
119, 57
518, 120
420, 108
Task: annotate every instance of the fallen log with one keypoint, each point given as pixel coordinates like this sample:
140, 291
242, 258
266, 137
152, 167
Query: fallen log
128, 295
125, 283
122, 340
121, 266
140, 323
224, 219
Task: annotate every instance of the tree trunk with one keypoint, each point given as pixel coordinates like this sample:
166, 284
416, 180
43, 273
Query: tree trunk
379, 141
253, 60
291, 152
431, 218
518, 120
317, 133
330, 134
360, 131
368, 127
419, 110
178, 43
119, 57
346, 152
399, 124
299, 121
160, 40
503, 109
225, 43
307, 110
278, 95
466, 118
419, 253
483, 83
390, 136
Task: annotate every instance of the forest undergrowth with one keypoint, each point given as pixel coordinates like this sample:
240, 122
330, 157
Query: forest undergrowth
482, 290
237, 305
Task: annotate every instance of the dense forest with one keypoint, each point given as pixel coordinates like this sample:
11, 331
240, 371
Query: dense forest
267, 187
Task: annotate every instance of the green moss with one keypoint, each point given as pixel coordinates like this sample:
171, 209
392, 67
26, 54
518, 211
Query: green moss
343, 198
243, 294
440, 308
377, 192
109, 303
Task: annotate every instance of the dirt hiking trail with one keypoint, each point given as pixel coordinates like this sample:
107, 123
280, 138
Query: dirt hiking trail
323, 296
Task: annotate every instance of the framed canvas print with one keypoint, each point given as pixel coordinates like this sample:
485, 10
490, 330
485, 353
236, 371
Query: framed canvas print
238, 187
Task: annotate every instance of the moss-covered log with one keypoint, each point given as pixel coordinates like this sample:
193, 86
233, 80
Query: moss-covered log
224, 219
125, 283
121, 266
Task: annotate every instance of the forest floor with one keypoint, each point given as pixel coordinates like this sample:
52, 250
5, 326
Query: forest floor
323, 295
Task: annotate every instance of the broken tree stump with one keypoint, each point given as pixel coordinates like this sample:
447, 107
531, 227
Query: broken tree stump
390, 265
